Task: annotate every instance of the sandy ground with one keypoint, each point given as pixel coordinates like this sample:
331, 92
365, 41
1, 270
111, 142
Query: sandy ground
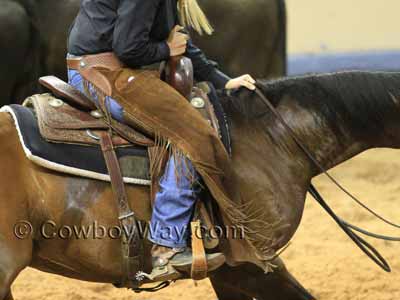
320, 255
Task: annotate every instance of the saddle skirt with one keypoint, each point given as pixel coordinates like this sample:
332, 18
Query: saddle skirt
74, 152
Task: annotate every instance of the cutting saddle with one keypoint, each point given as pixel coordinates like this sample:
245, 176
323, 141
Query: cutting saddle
72, 123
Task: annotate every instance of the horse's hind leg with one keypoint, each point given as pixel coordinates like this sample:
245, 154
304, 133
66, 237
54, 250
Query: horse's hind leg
12, 262
15, 241
14, 257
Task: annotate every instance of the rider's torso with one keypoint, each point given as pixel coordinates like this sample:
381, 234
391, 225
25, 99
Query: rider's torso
94, 28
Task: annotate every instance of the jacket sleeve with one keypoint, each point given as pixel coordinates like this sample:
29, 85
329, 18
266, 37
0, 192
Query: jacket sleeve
204, 69
131, 40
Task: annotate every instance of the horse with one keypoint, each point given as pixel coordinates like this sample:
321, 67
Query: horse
336, 116
279, 285
15, 42
267, 18
36, 44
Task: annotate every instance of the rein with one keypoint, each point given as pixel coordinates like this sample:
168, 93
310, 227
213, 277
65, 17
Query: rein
348, 228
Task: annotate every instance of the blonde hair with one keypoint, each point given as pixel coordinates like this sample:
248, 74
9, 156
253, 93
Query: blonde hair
191, 15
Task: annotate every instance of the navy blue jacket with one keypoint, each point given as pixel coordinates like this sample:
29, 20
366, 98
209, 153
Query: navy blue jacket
136, 31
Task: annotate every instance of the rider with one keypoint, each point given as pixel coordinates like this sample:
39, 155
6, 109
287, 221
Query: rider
141, 33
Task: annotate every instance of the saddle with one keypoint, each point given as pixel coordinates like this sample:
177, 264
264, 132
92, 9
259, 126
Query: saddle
75, 119
72, 120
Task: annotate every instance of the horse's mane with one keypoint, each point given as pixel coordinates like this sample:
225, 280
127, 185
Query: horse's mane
361, 100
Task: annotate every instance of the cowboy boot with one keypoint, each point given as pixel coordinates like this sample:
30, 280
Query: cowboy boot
172, 263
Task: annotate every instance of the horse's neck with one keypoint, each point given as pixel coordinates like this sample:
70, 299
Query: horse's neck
325, 144
262, 159
268, 178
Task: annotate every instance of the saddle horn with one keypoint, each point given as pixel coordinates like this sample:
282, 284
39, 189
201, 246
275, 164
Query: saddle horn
178, 72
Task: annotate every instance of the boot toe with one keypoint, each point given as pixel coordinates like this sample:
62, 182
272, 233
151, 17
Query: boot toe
184, 264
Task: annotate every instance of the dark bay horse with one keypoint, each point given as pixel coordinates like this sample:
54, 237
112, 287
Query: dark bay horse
336, 116
241, 27
33, 38
15, 48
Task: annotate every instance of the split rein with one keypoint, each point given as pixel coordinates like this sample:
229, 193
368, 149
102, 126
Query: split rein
348, 228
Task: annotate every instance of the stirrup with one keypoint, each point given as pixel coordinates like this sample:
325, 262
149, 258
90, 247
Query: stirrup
161, 273
163, 269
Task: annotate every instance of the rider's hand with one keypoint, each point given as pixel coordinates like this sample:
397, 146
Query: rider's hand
244, 80
177, 41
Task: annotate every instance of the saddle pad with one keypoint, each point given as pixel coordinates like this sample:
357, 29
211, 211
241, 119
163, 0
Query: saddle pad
79, 160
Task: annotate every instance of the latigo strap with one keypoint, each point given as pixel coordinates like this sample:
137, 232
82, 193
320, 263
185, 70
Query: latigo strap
132, 246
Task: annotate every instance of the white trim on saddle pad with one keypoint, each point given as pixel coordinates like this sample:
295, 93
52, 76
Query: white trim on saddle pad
62, 168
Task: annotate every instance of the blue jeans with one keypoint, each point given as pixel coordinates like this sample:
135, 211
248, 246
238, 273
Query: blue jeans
75, 79
174, 203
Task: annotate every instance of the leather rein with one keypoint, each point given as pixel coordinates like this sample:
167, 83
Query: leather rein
348, 228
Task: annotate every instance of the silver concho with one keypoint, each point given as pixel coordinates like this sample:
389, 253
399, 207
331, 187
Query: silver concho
55, 102
197, 102
92, 135
96, 114
82, 64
